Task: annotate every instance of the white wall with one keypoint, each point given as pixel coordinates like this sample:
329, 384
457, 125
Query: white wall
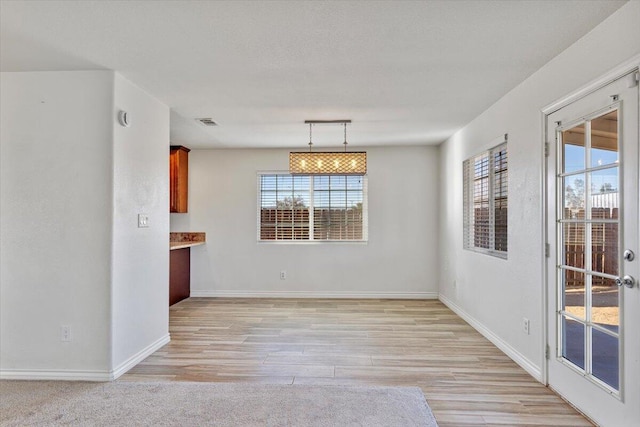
56, 212
492, 293
140, 285
73, 182
400, 259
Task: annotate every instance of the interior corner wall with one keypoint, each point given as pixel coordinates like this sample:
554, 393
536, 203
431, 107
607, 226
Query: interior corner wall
140, 281
495, 294
400, 259
56, 223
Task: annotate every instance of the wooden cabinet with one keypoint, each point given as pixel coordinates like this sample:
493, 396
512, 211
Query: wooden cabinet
179, 275
178, 179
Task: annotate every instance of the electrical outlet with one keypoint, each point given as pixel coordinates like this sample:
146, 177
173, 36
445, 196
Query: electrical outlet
143, 221
65, 333
283, 274
525, 325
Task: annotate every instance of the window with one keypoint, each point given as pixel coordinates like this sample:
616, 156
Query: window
312, 208
485, 202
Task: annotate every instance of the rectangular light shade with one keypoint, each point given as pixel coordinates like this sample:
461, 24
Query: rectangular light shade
328, 163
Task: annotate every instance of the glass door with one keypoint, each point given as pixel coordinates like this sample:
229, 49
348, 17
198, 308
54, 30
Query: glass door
588, 255
593, 298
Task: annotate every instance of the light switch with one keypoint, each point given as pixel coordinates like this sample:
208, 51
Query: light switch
143, 221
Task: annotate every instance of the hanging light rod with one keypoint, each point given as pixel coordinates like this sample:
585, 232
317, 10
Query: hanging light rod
326, 122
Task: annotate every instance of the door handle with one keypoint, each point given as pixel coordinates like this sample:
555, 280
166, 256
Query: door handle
627, 281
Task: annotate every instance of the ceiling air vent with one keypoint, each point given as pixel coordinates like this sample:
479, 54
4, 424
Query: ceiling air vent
207, 122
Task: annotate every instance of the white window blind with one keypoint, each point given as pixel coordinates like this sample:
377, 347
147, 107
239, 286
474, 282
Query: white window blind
284, 207
312, 208
485, 179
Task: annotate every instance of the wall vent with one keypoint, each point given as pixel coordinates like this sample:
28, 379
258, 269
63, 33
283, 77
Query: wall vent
207, 122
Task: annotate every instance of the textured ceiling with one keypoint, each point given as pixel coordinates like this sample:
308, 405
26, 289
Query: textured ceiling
406, 73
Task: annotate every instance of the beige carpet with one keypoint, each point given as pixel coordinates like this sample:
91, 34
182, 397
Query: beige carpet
53, 403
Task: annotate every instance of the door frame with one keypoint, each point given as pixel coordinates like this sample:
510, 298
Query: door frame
632, 64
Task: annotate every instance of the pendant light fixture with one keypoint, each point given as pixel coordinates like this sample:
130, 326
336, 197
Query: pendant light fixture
328, 162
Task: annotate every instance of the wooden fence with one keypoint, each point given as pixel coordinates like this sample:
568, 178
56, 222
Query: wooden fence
293, 224
604, 247
482, 228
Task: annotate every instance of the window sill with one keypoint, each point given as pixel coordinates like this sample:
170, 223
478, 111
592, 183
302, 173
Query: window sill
313, 242
495, 254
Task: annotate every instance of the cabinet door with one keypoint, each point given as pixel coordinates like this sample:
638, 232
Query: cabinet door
178, 179
179, 275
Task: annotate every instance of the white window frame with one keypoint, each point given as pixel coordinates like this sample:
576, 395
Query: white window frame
311, 241
468, 168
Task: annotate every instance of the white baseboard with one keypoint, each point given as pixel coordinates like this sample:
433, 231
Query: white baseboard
507, 349
312, 294
61, 375
139, 357
74, 375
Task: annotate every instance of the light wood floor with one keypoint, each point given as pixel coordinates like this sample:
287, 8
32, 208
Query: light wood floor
467, 381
